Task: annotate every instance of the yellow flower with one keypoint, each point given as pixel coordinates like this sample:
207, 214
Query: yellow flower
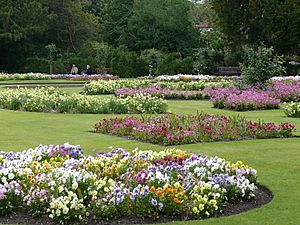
177, 185
195, 210
201, 207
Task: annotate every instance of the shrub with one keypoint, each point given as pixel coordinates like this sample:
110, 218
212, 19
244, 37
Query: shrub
241, 100
286, 91
292, 109
260, 65
128, 64
177, 129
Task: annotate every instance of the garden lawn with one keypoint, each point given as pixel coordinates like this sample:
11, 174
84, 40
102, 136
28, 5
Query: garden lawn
32, 82
276, 160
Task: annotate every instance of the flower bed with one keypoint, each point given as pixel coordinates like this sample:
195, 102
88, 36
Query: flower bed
235, 99
92, 77
254, 98
189, 77
24, 76
286, 91
289, 78
59, 181
52, 100
110, 86
177, 130
292, 109
163, 93
84, 77
193, 85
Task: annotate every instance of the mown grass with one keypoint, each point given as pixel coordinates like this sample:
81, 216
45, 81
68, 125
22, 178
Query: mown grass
277, 160
32, 82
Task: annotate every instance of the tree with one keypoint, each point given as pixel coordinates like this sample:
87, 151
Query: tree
269, 22
22, 25
260, 64
160, 24
114, 20
72, 25
52, 54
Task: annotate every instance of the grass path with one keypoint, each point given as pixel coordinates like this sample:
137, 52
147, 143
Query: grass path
276, 160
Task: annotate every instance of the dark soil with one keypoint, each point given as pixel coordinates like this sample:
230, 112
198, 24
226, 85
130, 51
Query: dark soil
262, 197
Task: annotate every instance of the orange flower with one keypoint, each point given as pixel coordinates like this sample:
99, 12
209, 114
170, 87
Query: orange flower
171, 196
152, 189
180, 194
177, 201
159, 189
159, 193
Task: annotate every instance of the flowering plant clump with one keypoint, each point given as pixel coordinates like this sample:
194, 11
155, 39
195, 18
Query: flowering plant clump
188, 77
163, 93
193, 85
52, 100
241, 100
24, 76
59, 181
286, 91
292, 109
288, 78
176, 129
110, 86
91, 77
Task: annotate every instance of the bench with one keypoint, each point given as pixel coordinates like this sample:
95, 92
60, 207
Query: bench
230, 71
103, 70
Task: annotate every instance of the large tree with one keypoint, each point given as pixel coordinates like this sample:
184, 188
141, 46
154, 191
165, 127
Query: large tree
160, 24
114, 20
73, 24
255, 22
22, 25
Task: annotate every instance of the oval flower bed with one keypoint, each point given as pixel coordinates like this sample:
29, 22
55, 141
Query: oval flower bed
52, 100
177, 130
163, 93
59, 181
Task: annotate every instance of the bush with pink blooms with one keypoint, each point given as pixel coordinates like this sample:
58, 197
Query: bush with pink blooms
254, 97
286, 91
172, 129
241, 100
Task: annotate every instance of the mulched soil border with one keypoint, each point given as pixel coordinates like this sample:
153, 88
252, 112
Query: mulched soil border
262, 196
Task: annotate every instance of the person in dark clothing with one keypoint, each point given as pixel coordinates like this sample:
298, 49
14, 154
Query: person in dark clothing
89, 70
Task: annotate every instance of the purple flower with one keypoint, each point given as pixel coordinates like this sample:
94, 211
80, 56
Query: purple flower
153, 202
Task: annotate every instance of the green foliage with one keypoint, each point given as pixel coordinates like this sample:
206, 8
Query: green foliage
160, 24
173, 63
114, 20
271, 22
52, 54
211, 53
260, 65
152, 57
127, 63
